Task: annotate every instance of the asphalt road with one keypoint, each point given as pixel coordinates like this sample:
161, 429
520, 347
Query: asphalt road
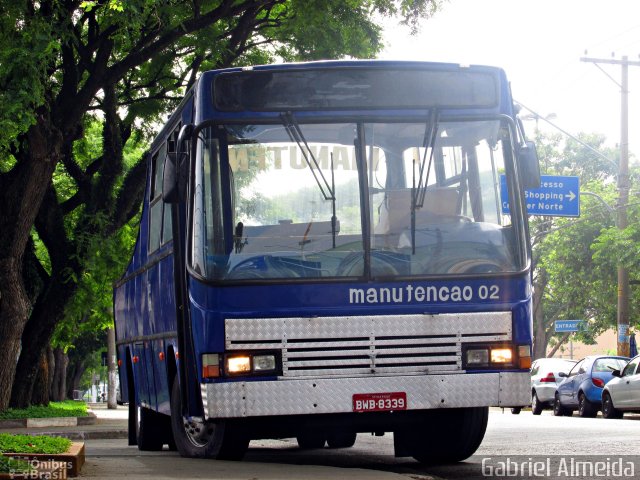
545, 442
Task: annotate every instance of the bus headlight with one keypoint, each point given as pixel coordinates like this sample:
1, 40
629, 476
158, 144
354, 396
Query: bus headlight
487, 356
478, 356
238, 364
501, 355
264, 363
249, 363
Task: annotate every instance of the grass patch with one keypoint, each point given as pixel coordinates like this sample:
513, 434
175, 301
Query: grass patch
26, 444
68, 408
10, 465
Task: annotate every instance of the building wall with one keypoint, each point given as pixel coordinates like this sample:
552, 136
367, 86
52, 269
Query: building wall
606, 344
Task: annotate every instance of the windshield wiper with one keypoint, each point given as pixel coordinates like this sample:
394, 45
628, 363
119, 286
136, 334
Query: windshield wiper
419, 191
293, 129
328, 191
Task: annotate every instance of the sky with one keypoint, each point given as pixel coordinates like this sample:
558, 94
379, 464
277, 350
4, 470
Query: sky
539, 43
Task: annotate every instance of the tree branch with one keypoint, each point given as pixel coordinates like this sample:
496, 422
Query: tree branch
557, 346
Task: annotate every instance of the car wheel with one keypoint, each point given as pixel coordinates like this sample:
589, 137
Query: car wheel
558, 409
536, 406
516, 410
608, 410
585, 407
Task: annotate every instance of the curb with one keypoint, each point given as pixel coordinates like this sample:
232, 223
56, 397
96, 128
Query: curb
89, 435
90, 419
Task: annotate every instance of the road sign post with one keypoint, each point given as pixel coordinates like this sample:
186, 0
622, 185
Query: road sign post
567, 326
558, 196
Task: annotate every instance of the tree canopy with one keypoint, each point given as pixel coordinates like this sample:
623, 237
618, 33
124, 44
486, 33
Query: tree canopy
575, 259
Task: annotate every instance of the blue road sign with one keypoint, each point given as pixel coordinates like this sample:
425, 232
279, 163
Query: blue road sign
558, 196
569, 325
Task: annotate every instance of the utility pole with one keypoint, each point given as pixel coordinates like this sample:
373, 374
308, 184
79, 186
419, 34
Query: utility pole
623, 191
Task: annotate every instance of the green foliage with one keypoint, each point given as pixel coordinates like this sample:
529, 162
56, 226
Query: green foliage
28, 47
576, 259
86, 84
90, 309
69, 408
26, 444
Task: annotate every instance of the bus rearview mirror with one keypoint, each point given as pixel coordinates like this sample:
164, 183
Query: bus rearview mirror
170, 179
529, 166
175, 174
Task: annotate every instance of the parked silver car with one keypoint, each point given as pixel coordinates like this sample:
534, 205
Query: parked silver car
622, 393
544, 380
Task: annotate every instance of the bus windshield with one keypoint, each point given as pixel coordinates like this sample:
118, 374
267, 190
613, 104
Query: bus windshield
331, 200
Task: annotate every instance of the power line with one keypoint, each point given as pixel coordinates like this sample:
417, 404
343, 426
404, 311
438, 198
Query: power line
584, 144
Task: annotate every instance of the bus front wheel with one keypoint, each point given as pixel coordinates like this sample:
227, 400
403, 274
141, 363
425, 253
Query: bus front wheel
204, 439
456, 435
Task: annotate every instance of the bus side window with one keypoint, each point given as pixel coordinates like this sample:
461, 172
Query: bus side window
155, 200
160, 228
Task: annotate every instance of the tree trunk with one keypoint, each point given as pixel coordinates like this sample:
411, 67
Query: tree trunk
540, 339
39, 329
14, 309
539, 332
561, 342
40, 394
55, 380
74, 376
52, 368
59, 387
22, 190
111, 363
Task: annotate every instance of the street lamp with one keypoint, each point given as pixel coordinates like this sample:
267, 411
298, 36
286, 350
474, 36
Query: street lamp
537, 117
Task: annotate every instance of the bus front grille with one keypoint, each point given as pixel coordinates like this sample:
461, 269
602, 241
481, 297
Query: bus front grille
368, 345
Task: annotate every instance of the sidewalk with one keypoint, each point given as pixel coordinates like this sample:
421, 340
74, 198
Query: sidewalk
109, 457
109, 424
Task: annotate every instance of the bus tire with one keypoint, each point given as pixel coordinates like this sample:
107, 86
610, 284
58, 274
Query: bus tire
341, 439
207, 440
459, 434
149, 431
311, 439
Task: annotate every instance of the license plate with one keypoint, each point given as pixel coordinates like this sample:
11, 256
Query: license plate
379, 402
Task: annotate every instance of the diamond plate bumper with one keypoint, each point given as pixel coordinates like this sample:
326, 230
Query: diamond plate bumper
334, 395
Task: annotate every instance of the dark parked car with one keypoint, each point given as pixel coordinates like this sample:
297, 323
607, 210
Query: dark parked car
582, 387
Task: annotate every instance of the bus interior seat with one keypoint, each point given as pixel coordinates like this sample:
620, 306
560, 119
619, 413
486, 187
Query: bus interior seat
395, 211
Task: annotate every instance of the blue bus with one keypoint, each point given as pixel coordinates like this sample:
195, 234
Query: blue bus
323, 252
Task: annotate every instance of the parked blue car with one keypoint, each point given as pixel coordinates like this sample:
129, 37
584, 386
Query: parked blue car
582, 387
